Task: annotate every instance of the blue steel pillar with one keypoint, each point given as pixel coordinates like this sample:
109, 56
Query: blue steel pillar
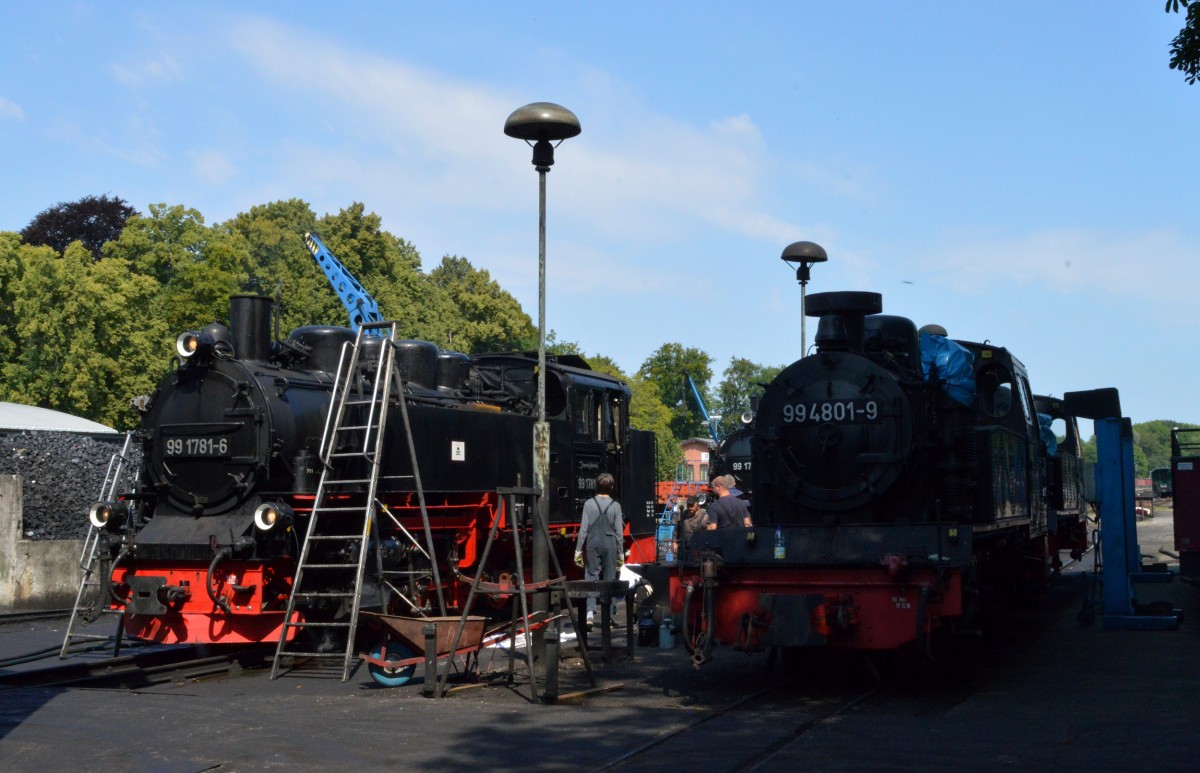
1118, 531
1118, 524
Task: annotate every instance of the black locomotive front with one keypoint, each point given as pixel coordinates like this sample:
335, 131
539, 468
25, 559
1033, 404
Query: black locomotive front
898, 475
837, 433
224, 428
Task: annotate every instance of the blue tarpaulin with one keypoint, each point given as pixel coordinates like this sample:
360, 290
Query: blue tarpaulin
953, 364
1048, 436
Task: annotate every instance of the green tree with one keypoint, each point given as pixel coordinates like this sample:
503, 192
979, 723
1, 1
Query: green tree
92, 220
82, 350
389, 269
487, 318
1089, 450
10, 265
647, 411
666, 369
278, 260
1153, 439
1185, 48
195, 267
742, 381
554, 344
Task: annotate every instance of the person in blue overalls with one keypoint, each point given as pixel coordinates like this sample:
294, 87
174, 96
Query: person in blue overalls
602, 530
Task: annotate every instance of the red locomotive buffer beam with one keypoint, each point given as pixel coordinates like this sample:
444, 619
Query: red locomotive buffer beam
237, 602
861, 608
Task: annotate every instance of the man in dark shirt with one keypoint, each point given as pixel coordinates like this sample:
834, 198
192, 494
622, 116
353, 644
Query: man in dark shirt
694, 519
728, 511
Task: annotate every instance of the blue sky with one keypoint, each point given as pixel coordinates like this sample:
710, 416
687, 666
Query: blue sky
1017, 172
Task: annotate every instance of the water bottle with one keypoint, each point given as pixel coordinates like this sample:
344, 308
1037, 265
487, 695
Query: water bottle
780, 547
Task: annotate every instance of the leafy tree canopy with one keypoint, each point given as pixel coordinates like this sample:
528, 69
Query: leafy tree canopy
742, 381
1185, 48
1151, 445
666, 368
92, 220
195, 268
80, 349
486, 317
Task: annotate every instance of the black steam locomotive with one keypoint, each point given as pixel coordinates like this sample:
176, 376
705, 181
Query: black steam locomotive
237, 425
897, 475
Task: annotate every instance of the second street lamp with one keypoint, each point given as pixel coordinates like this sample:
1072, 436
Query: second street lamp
804, 255
543, 125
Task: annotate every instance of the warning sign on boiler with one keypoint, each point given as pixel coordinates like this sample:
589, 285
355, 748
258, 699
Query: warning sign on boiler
458, 451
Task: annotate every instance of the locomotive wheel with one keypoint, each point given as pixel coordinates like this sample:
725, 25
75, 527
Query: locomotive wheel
396, 652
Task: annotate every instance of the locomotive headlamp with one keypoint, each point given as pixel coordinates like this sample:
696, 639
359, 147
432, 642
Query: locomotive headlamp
108, 515
268, 515
187, 344
213, 339
747, 417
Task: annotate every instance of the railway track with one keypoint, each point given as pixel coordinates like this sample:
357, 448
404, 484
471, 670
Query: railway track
7, 618
140, 670
668, 747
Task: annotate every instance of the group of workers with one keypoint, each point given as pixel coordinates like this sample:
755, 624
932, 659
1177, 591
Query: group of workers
600, 547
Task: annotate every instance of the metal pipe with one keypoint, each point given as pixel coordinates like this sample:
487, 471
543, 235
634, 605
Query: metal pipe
208, 586
687, 611
540, 563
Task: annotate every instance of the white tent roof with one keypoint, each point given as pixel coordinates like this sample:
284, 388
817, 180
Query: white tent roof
14, 416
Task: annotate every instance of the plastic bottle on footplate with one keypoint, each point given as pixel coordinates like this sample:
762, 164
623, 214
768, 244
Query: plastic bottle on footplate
780, 547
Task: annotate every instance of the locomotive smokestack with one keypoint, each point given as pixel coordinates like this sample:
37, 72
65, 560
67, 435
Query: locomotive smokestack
842, 313
250, 320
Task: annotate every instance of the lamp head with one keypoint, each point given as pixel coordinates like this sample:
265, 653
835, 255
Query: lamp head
803, 255
540, 124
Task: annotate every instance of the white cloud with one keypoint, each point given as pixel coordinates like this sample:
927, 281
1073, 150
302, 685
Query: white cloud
138, 146
163, 69
739, 126
10, 109
1153, 266
213, 167
647, 177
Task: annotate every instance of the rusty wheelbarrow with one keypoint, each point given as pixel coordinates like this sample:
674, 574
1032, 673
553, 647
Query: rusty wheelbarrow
401, 644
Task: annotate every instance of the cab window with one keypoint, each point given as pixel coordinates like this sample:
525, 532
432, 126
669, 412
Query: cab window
995, 386
583, 411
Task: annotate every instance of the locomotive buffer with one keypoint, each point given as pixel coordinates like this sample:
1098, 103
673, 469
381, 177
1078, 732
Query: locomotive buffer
353, 439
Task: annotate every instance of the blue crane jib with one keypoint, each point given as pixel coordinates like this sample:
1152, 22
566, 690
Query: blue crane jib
358, 302
713, 422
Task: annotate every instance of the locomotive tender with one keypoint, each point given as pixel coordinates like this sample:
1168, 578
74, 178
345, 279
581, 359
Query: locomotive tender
897, 476
233, 431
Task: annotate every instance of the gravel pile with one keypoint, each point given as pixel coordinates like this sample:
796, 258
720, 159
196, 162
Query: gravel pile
62, 474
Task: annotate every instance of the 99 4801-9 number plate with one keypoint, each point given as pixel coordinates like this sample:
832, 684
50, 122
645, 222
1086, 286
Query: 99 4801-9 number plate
835, 411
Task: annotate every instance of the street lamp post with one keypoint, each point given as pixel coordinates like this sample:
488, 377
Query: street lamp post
544, 126
804, 255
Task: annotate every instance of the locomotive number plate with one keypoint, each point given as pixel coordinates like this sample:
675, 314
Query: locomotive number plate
823, 411
197, 446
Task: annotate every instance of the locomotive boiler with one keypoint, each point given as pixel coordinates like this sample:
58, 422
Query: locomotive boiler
206, 548
897, 476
